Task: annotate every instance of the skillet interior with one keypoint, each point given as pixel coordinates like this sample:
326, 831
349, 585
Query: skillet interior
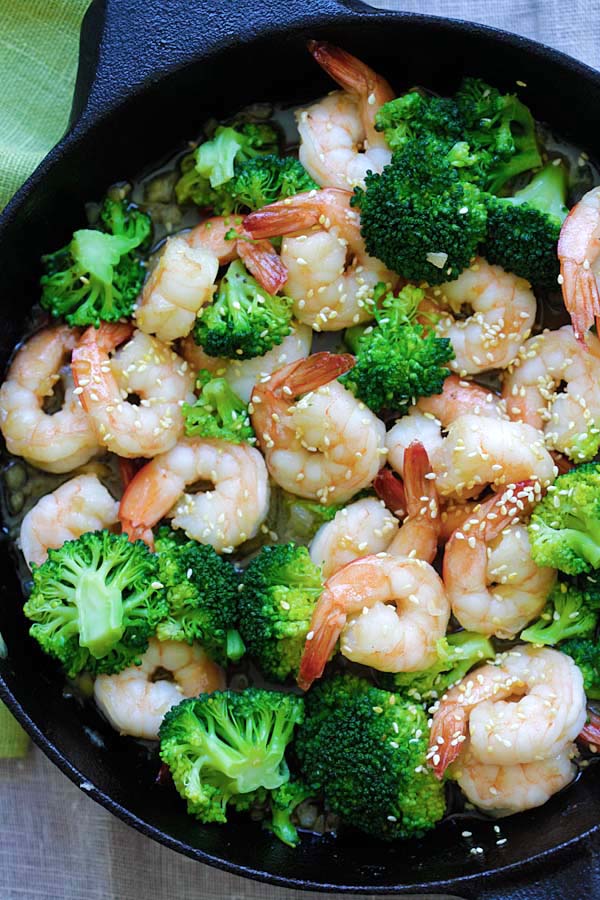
227, 74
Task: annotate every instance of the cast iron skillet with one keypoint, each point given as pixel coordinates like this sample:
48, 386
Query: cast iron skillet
151, 72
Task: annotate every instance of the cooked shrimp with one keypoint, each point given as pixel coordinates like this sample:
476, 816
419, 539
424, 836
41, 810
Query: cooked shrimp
354, 607
503, 314
524, 709
327, 445
331, 278
419, 534
59, 442
224, 516
554, 387
504, 790
493, 585
77, 506
579, 255
143, 367
243, 374
182, 282
338, 140
360, 529
135, 701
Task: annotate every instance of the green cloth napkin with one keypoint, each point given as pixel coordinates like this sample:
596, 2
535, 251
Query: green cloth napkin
39, 41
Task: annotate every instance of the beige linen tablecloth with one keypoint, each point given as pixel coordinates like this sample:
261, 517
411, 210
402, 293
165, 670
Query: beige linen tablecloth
55, 842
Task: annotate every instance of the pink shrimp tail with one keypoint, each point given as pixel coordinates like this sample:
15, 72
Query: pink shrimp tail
325, 629
390, 489
311, 373
448, 733
127, 470
418, 488
264, 264
146, 500
562, 463
346, 70
294, 214
590, 733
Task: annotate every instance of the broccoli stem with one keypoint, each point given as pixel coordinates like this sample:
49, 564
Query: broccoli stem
586, 545
235, 646
546, 192
100, 608
283, 827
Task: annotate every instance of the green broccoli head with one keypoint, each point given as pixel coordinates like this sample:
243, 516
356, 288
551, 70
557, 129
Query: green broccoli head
398, 360
202, 595
419, 218
586, 656
244, 320
218, 412
284, 801
281, 587
365, 749
221, 745
265, 179
95, 602
523, 230
97, 276
500, 132
572, 610
565, 526
457, 654
416, 117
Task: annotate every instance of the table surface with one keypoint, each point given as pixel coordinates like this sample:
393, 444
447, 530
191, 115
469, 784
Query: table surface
55, 842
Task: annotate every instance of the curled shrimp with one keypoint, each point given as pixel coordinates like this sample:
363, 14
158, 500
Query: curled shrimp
145, 368
331, 278
224, 516
338, 140
244, 374
57, 442
554, 387
579, 256
135, 702
502, 790
493, 585
524, 709
326, 445
503, 312
77, 506
360, 529
355, 607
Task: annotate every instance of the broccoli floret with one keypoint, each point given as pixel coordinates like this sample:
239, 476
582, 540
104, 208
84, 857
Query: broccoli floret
572, 610
419, 218
586, 655
95, 602
281, 588
266, 179
207, 171
366, 750
218, 412
422, 118
97, 276
244, 320
457, 654
202, 591
284, 801
565, 526
523, 230
224, 744
500, 132
398, 360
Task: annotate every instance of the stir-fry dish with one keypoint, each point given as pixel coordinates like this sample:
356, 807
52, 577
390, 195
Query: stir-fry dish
319, 412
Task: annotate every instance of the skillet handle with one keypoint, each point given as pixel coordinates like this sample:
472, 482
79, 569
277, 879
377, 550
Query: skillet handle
127, 44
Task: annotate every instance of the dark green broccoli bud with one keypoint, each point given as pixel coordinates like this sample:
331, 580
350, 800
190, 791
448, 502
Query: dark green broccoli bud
365, 749
202, 595
218, 412
419, 218
95, 602
500, 132
244, 320
572, 610
585, 653
281, 587
221, 745
416, 117
284, 801
457, 654
565, 526
97, 276
266, 179
523, 230
398, 360
207, 171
